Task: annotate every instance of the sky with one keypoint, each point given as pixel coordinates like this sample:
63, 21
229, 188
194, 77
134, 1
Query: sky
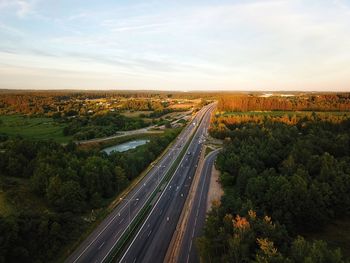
175, 45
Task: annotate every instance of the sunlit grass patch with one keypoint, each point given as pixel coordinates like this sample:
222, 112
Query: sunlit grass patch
38, 128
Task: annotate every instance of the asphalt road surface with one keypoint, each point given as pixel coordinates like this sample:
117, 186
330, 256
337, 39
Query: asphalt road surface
188, 251
151, 242
101, 241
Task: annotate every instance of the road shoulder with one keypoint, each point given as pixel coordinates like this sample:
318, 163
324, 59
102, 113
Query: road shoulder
175, 245
215, 189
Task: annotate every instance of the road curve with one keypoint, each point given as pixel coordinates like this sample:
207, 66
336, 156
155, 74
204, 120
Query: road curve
188, 251
101, 241
151, 242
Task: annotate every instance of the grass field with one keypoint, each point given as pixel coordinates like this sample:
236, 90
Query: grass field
185, 104
136, 114
32, 128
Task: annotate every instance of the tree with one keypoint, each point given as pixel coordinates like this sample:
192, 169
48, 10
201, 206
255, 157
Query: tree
71, 197
121, 179
97, 176
317, 251
40, 178
53, 191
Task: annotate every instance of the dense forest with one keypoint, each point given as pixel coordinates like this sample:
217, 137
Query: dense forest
51, 190
223, 125
309, 102
282, 177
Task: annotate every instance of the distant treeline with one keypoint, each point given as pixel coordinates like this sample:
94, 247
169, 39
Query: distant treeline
65, 105
45, 102
223, 125
79, 94
305, 102
70, 104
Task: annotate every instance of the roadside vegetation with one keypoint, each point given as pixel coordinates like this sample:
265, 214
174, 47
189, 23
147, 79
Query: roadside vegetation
285, 170
286, 181
51, 193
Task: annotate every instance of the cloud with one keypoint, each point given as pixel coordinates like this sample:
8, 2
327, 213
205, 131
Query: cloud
343, 5
244, 43
22, 7
11, 30
25, 8
137, 27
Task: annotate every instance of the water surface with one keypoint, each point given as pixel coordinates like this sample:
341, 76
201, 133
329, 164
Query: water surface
123, 147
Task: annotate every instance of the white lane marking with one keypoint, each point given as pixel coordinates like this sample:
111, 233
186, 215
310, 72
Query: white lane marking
101, 246
117, 234
193, 229
148, 215
200, 200
189, 251
121, 209
146, 200
121, 220
154, 205
138, 233
112, 219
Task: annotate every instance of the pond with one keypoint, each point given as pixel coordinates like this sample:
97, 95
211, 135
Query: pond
125, 146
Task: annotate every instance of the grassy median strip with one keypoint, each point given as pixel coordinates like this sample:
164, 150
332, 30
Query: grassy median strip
148, 205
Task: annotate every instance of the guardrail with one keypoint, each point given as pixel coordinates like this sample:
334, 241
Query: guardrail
136, 222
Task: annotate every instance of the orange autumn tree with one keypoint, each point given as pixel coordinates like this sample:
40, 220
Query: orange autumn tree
253, 238
248, 232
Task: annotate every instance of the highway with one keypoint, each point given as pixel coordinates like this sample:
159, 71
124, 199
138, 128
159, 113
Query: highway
151, 242
102, 240
188, 251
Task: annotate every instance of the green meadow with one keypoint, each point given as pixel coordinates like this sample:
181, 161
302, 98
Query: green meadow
36, 128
